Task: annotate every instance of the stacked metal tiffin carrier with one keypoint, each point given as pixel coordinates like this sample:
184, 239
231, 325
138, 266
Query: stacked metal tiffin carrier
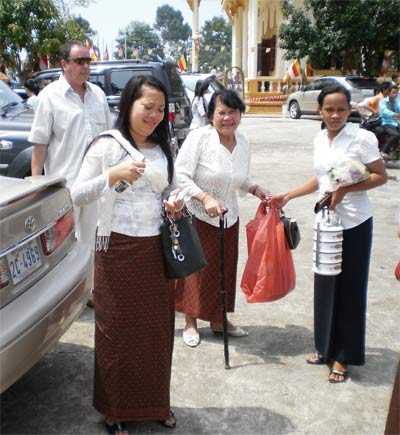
328, 243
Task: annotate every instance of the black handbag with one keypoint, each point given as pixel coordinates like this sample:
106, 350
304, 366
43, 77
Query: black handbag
182, 250
292, 231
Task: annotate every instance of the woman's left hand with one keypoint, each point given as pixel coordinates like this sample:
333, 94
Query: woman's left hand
174, 203
337, 197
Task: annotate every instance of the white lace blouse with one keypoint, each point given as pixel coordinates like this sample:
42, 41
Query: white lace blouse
204, 164
136, 211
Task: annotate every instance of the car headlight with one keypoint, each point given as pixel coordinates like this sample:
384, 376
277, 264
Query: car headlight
6, 145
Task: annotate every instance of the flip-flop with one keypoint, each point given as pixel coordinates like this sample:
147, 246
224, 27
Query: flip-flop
338, 372
318, 360
114, 428
190, 339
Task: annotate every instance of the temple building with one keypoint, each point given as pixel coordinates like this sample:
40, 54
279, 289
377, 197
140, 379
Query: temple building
255, 26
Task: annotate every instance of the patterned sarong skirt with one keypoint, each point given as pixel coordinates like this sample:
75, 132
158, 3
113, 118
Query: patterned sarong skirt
199, 295
134, 330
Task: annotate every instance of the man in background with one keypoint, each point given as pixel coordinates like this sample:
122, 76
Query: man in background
69, 113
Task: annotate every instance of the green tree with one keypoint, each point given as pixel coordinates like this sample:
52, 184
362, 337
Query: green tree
175, 34
216, 45
30, 28
141, 37
351, 34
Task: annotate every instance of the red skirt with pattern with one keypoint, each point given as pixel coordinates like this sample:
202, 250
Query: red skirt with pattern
134, 331
199, 295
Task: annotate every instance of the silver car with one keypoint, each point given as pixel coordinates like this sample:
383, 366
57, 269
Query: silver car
45, 274
305, 102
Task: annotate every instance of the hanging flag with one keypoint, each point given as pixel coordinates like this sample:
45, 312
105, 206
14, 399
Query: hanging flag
96, 53
182, 63
105, 54
121, 50
293, 71
135, 52
91, 49
384, 67
43, 62
385, 63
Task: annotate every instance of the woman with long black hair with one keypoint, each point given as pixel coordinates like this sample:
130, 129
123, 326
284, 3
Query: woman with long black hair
199, 105
129, 171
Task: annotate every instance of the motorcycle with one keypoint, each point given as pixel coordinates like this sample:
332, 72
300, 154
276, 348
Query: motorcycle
373, 123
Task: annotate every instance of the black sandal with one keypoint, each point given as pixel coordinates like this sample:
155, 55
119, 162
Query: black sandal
114, 428
167, 425
319, 360
338, 372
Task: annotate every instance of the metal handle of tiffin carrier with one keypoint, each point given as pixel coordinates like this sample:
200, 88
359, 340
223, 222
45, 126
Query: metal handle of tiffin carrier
328, 246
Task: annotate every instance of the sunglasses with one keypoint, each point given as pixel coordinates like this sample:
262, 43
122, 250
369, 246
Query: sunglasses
80, 60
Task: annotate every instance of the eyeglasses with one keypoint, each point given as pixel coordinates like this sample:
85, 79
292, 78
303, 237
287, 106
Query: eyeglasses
80, 60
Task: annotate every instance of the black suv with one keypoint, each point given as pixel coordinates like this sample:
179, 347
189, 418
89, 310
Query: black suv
111, 77
16, 120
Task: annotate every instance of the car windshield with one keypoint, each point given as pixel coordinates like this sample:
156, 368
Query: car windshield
363, 82
216, 84
190, 81
8, 97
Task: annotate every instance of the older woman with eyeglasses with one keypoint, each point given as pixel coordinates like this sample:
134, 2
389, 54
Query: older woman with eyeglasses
212, 166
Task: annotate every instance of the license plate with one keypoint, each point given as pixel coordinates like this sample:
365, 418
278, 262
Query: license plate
23, 261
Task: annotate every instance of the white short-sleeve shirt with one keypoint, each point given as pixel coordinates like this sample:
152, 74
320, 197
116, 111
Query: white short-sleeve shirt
351, 144
66, 125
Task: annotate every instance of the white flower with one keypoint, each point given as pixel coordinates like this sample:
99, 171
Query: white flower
350, 172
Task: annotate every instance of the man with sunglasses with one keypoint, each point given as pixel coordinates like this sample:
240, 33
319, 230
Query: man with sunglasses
69, 113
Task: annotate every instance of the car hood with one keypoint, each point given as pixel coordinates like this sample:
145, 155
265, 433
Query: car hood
12, 189
17, 120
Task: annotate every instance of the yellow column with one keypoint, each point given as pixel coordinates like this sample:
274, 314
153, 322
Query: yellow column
196, 37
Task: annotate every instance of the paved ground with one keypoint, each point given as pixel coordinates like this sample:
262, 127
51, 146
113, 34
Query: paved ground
270, 389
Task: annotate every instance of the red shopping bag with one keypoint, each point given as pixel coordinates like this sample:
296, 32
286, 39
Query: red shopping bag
397, 271
269, 272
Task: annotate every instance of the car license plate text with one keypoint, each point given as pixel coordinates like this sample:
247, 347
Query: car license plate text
23, 261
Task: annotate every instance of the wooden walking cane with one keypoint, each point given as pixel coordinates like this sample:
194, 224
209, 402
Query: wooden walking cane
223, 291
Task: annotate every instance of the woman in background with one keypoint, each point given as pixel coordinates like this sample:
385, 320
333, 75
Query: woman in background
32, 90
199, 106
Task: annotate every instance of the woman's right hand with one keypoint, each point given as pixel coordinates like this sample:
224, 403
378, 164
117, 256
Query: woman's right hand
279, 201
212, 206
128, 171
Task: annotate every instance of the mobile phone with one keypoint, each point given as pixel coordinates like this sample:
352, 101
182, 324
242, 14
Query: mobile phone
121, 186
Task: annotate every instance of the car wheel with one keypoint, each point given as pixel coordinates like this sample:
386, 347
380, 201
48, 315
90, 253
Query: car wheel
294, 110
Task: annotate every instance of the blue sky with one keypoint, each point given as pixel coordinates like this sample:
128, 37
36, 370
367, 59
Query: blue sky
107, 16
